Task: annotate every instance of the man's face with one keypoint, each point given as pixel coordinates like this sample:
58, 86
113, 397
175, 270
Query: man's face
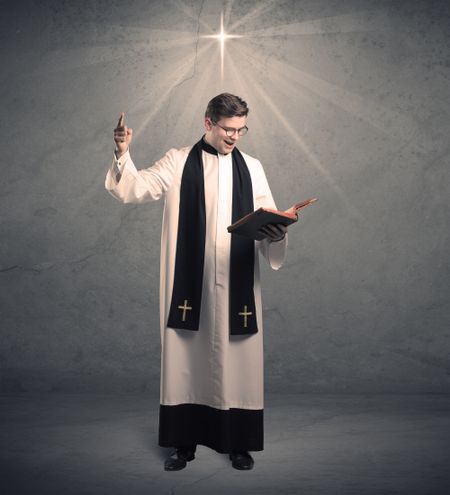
217, 137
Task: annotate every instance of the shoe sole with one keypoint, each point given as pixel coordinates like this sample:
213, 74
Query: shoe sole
240, 468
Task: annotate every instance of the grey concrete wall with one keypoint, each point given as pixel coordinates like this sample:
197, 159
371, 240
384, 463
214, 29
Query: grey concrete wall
349, 102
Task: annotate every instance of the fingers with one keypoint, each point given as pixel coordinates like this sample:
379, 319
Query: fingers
281, 228
274, 232
122, 133
123, 136
121, 120
278, 230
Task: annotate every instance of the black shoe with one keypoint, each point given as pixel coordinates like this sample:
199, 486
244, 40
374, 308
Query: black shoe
178, 459
241, 460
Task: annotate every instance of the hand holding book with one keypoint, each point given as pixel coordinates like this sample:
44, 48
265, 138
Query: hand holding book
265, 222
274, 232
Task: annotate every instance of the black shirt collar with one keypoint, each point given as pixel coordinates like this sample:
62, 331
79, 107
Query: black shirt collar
208, 148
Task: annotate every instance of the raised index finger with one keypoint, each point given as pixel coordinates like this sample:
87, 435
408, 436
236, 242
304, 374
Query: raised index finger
121, 120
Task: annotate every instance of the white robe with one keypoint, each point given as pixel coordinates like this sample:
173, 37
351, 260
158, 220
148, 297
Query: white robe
207, 366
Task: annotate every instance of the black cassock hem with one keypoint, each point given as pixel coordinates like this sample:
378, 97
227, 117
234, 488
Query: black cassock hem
223, 430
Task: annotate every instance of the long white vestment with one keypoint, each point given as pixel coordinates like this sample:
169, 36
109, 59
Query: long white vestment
206, 367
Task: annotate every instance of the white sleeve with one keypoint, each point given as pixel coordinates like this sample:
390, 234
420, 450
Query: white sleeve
129, 185
273, 251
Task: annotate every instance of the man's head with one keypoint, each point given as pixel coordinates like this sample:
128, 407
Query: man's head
225, 121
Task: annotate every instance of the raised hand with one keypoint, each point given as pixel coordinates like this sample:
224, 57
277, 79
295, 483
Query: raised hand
122, 136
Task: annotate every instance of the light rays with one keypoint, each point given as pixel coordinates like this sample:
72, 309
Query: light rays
190, 116
172, 79
227, 12
240, 87
286, 125
253, 15
274, 81
384, 119
346, 23
221, 37
188, 12
247, 84
311, 157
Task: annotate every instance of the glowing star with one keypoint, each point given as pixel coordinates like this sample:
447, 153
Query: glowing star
221, 37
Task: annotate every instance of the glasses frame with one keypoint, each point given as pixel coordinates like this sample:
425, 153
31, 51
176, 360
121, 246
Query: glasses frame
232, 130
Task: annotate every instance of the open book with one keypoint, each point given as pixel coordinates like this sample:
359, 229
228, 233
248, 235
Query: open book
250, 224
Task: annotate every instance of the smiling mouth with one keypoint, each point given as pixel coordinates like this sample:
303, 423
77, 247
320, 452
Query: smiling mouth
229, 143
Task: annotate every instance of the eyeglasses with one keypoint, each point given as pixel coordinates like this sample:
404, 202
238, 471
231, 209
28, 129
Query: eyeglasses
229, 131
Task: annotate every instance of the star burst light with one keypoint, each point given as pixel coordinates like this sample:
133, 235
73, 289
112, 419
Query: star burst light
221, 37
282, 77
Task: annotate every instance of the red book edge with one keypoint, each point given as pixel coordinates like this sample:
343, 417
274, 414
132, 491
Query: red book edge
289, 213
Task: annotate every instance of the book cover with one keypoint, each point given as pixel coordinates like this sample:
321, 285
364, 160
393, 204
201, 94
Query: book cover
250, 224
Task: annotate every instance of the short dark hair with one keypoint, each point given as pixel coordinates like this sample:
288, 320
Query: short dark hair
226, 105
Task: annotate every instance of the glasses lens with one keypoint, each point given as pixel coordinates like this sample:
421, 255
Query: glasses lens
230, 132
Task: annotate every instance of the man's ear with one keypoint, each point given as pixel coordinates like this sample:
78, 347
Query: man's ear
208, 123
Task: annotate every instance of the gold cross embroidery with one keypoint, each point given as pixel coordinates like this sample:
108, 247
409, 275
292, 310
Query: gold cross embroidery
245, 314
184, 308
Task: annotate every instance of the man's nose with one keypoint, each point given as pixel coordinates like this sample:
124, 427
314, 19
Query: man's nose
235, 136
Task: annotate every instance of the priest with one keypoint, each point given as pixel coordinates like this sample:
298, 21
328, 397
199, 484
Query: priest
211, 324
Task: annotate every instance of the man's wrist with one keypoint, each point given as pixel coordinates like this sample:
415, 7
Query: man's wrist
119, 153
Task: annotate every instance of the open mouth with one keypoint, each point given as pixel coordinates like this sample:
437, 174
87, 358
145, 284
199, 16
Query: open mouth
230, 143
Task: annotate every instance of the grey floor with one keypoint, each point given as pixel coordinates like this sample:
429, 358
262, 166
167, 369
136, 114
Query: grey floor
314, 444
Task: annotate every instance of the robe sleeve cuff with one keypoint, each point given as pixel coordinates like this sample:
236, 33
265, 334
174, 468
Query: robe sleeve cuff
118, 168
275, 251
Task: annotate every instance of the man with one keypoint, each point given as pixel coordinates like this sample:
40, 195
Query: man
210, 296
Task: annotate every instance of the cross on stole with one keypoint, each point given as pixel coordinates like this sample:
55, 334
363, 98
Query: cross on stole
185, 308
245, 314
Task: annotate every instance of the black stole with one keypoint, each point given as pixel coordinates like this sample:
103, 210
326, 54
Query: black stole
188, 280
